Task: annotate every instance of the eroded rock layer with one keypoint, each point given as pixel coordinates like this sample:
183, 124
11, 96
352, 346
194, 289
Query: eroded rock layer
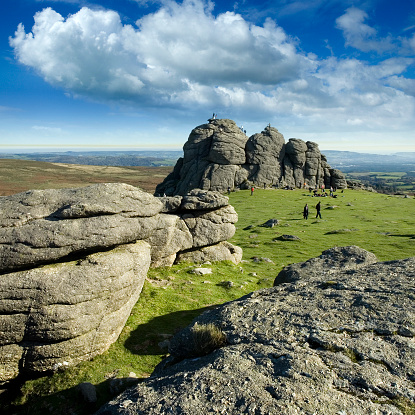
73, 262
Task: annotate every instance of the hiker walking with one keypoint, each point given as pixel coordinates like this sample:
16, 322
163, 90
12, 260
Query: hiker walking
252, 190
318, 207
305, 211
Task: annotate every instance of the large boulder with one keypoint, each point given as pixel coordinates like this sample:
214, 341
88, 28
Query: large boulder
208, 152
329, 262
329, 343
58, 315
223, 251
219, 156
73, 262
43, 226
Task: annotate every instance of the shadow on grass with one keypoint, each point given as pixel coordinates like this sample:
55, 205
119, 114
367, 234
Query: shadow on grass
69, 401
409, 235
145, 339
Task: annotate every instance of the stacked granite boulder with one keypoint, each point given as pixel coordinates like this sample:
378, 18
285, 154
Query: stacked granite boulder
219, 155
73, 263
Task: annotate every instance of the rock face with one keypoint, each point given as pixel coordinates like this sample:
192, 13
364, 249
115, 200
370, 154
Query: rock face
218, 156
73, 262
58, 315
335, 342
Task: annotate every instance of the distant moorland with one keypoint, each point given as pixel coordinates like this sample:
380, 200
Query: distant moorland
20, 175
102, 158
145, 169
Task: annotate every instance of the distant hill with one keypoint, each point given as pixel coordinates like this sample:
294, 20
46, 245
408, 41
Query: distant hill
348, 161
103, 158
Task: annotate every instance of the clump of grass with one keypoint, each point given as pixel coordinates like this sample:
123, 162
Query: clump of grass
207, 338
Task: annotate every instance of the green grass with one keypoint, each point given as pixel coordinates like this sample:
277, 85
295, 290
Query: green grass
396, 181
172, 297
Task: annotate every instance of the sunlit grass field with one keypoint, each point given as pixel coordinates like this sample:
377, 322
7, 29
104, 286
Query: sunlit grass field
172, 297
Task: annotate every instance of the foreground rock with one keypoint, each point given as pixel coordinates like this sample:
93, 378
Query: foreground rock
73, 262
338, 343
45, 226
219, 156
58, 315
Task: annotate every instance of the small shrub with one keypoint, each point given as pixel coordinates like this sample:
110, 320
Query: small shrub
206, 338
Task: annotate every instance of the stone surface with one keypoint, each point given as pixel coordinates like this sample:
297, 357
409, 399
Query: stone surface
219, 156
338, 342
73, 262
43, 226
224, 251
58, 315
329, 262
211, 227
88, 392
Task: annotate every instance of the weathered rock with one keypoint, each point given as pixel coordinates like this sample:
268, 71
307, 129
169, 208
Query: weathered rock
170, 203
267, 147
211, 227
71, 267
170, 236
270, 223
198, 199
337, 179
219, 156
286, 237
42, 226
58, 315
330, 344
88, 391
329, 262
224, 251
201, 271
228, 144
39, 227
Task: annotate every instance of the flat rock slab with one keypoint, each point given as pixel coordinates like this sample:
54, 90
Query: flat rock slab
332, 344
42, 226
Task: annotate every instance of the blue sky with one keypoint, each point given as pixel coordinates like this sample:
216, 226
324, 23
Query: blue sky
138, 74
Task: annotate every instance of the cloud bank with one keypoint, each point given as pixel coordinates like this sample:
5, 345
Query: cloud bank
185, 56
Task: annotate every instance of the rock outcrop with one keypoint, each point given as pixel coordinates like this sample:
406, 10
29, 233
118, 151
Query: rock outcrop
58, 315
219, 155
338, 341
73, 262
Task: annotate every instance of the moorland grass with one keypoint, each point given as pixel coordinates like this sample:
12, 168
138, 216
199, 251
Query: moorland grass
172, 297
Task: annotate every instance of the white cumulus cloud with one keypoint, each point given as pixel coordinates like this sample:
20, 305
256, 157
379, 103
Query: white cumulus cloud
172, 54
185, 56
359, 35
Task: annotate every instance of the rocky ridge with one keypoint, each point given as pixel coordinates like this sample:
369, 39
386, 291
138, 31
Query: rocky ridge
219, 156
73, 262
336, 338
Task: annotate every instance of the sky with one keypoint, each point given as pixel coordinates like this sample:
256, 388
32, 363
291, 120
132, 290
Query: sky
141, 74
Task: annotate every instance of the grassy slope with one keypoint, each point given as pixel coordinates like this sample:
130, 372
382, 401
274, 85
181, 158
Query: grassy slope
172, 297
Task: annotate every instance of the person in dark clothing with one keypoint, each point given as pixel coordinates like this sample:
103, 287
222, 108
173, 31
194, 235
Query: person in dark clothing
318, 207
305, 211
